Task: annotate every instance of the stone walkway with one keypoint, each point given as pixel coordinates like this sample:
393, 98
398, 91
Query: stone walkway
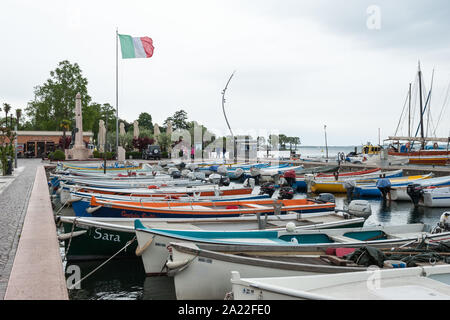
14, 195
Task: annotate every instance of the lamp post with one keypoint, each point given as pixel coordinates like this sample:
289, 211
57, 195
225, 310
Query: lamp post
104, 148
15, 146
326, 145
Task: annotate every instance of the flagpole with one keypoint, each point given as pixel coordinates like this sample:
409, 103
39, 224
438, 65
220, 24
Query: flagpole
117, 94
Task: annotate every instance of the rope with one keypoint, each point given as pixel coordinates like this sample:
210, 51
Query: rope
59, 210
90, 273
70, 239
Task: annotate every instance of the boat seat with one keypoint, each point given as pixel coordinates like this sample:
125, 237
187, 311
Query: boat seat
342, 239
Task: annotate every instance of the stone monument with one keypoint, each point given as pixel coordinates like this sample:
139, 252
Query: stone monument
169, 134
101, 136
156, 133
135, 129
78, 150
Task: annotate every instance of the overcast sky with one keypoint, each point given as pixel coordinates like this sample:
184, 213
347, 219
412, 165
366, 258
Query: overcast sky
299, 65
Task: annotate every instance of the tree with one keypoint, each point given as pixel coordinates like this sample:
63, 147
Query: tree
18, 116
178, 120
6, 108
283, 139
145, 121
142, 143
55, 100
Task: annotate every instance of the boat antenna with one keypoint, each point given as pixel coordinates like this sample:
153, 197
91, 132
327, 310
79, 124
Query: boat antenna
223, 103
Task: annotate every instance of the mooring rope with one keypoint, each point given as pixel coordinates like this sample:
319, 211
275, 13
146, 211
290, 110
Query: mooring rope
70, 239
90, 273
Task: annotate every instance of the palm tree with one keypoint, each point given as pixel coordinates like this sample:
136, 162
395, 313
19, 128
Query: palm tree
18, 116
6, 108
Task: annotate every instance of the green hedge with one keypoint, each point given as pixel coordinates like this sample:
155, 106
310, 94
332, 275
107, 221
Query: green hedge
57, 155
100, 155
133, 154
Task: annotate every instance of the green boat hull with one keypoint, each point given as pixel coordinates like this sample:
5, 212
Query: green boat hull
102, 244
98, 244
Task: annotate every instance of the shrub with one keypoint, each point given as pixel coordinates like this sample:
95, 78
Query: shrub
133, 154
58, 155
100, 155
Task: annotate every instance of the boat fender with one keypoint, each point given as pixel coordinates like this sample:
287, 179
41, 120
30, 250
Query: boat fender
153, 187
92, 209
66, 236
74, 199
177, 264
444, 221
139, 251
290, 227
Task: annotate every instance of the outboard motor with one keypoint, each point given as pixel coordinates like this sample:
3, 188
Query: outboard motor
224, 181
222, 170
286, 193
191, 176
191, 166
415, 192
176, 174
289, 176
360, 208
185, 172
199, 175
239, 173
215, 178
255, 173
249, 182
267, 188
326, 197
443, 224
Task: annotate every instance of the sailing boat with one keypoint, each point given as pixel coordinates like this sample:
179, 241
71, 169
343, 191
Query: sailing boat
432, 155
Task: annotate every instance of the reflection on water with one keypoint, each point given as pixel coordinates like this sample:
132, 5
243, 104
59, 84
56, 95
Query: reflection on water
117, 279
122, 279
159, 288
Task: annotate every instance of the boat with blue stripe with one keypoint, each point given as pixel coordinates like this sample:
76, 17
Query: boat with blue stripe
192, 209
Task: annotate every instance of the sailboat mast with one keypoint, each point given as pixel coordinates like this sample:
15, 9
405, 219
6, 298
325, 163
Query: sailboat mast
421, 109
409, 114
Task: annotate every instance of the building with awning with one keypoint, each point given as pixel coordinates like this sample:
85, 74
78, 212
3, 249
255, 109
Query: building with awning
40, 143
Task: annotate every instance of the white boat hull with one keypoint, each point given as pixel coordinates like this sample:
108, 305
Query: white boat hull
417, 283
438, 197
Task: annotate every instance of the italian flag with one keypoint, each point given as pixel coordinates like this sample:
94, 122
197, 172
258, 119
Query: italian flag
135, 47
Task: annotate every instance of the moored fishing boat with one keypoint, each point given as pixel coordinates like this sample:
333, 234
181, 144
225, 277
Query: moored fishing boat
213, 263
371, 190
98, 167
289, 239
100, 238
153, 191
160, 209
416, 283
302, 181
318, 185
435, 197
144, 183
400, 193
